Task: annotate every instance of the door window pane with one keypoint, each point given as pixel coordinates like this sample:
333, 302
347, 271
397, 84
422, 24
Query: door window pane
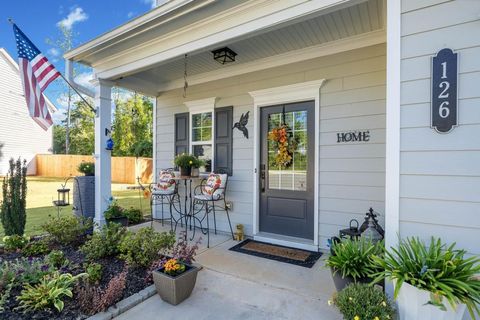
294, 177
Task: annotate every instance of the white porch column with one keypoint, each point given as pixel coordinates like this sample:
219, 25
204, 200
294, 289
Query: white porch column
103, 179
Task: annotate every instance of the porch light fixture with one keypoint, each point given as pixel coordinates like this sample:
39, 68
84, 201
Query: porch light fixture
224, 55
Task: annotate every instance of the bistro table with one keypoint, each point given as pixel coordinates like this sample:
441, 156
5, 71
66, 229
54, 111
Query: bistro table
188, 213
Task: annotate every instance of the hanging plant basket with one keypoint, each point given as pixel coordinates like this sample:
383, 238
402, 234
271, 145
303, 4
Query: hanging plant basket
284, 145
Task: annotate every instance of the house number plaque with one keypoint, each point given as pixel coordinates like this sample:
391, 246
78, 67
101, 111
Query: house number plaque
444, 91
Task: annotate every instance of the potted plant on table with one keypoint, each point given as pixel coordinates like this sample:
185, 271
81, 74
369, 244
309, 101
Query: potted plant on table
431, 282
185, 162
352, 261
116, 214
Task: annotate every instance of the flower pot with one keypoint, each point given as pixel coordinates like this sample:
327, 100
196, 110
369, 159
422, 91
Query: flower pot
195, 172
341, 282
84, 196
412, 305
185, 172
121, 220
175, 289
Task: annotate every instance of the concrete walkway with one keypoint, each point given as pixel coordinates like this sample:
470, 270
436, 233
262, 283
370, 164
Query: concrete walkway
233, 285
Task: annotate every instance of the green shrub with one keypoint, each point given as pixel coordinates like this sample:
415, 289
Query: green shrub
141, 248
49, 292
36, 248
24, 270
67, 230
15, 242
87, 168
104, 243
114, 211
134, 215
13, 212
362, 301
353, 258
94, 272
441, 270
56, 258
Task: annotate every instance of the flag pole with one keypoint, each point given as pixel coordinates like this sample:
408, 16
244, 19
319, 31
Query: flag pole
76, 91
68, 82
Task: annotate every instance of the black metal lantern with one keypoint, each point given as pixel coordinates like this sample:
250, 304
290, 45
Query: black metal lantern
63, 197
224, 55
370, 228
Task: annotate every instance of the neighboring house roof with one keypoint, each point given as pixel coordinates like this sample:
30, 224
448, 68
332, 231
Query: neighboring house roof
14, 64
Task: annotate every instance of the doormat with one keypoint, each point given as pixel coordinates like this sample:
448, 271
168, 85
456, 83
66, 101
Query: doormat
275, 252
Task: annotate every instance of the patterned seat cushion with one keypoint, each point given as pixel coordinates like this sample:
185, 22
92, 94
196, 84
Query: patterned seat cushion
207, 197
215, 185
165, 184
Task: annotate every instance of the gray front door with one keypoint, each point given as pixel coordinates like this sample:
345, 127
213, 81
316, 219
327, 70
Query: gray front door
287, 194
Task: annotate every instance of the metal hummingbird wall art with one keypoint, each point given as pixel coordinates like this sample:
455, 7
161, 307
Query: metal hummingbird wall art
242, 124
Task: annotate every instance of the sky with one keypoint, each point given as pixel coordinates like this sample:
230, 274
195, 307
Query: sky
39, 20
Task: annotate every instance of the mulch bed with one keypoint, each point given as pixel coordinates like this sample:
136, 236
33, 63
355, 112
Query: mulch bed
136, 281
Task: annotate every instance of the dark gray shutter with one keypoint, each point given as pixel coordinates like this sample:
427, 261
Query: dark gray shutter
181, 133
223, 140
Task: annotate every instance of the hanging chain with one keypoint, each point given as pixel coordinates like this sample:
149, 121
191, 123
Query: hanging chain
185, 85
283, 116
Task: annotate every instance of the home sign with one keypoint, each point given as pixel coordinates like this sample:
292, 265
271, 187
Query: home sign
353, 136
444, 110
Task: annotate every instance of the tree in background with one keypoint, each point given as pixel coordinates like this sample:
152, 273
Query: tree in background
13, 212
64, 43
59, 133
132, 127
82, 135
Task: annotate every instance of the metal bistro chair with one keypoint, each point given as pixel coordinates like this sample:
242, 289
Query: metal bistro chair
208, 193
165, 191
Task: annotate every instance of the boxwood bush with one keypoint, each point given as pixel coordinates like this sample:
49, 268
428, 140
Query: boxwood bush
142, 247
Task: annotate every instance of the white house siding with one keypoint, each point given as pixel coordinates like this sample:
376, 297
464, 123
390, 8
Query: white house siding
440, 173
21, 136
351, 175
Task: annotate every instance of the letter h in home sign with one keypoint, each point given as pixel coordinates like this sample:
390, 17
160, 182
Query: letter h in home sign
444, 91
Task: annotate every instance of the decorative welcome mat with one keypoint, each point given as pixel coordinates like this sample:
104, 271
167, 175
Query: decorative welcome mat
275, 252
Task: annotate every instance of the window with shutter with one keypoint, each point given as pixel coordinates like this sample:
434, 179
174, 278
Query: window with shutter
206, 132
223, 150
182, 133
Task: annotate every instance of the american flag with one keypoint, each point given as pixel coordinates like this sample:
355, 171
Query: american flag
36, 73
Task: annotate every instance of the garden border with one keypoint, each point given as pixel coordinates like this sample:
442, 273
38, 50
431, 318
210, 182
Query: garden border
125, 304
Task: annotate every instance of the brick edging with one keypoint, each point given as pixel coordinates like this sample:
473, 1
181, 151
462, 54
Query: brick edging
125, 304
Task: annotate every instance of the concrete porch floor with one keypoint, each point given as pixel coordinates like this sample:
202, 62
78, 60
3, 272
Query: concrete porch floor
234, 285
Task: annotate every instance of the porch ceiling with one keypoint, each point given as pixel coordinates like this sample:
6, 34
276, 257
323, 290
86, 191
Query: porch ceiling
363, 18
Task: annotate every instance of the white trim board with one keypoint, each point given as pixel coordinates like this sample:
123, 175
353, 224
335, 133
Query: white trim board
392, 161
303, 91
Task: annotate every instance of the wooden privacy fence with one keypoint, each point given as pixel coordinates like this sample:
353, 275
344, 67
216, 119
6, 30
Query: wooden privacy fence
124, 169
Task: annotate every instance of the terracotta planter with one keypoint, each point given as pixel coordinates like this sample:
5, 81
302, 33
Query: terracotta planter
341, 282
175, 289
412, 305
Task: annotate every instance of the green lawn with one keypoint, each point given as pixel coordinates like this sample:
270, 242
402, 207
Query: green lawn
42, 191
